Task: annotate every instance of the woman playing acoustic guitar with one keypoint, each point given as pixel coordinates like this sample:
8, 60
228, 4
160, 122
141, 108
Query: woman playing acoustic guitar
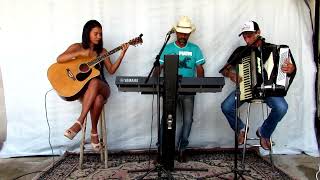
96, 91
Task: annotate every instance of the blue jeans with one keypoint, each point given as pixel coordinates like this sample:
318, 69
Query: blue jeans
278, 107
185, 105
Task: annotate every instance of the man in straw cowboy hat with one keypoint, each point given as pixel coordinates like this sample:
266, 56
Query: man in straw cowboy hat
190, 65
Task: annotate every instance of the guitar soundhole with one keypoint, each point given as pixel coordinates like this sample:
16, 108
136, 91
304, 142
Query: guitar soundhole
83, 76
84, 68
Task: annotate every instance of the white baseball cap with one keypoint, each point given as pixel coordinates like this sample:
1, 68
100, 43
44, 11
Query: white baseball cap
249, 26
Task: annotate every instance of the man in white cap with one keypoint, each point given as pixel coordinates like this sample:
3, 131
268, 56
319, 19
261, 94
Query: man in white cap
250, 32
190, 65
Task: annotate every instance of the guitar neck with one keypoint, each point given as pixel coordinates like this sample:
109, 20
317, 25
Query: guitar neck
102, 57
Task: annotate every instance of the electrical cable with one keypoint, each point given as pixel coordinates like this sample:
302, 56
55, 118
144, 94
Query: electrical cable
26, 174
151, 130
49, 133
318, 172
49, 138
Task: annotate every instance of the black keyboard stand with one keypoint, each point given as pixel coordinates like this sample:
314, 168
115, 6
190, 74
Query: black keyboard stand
156, 69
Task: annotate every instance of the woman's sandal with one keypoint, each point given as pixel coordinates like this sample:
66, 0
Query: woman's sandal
96, 146
70, 134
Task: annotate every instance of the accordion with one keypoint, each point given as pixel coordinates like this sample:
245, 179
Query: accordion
260, 78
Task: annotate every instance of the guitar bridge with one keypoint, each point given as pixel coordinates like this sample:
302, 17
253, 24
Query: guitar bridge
70, 74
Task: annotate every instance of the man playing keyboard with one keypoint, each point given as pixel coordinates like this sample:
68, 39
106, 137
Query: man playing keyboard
190, 65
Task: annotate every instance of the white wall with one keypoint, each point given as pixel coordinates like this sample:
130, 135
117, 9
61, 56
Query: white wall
31, 39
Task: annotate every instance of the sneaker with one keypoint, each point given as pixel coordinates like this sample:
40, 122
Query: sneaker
241, 137
182, 156
264, 142
156, 160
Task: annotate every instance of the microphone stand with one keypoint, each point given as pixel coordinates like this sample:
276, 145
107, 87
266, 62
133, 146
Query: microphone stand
156, 63
158, 167
235, 169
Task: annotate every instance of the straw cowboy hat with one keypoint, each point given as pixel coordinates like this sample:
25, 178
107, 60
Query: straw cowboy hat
184, 25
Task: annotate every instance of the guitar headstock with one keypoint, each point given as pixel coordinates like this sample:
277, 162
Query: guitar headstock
137, 40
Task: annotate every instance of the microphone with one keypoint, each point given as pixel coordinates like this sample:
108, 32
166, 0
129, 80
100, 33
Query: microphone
260, 37
171, 31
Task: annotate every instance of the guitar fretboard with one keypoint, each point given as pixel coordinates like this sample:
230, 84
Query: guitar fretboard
102, 57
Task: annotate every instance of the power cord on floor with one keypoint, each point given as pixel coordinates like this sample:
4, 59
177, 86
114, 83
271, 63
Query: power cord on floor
49, 139
151, 130
318, 172
27, 174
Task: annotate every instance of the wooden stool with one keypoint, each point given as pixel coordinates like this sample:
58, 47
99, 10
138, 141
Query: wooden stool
245, 144
102, 140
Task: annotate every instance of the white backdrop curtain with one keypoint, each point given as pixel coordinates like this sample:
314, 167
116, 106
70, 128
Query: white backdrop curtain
32, 38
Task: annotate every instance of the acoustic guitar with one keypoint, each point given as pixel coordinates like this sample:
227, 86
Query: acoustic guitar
69, 78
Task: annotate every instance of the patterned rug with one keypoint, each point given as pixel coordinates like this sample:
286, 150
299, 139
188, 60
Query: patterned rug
199, 165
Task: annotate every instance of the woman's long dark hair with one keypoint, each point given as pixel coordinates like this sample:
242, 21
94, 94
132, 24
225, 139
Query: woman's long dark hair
86, 36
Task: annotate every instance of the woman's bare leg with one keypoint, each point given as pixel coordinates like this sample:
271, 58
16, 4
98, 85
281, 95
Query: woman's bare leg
95, 87
95, 112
